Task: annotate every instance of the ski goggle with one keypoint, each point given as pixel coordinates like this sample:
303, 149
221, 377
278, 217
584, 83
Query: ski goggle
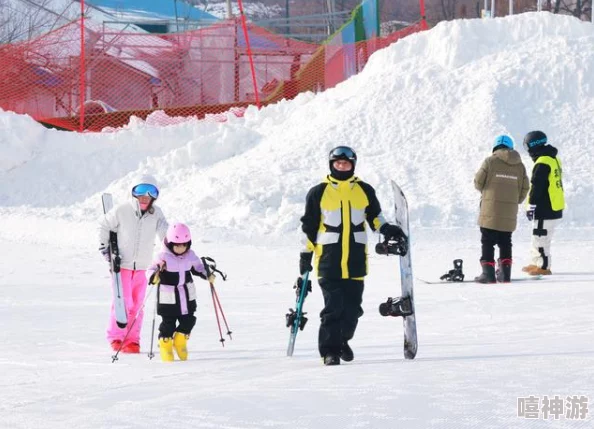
145, 189
343, 152
534, 143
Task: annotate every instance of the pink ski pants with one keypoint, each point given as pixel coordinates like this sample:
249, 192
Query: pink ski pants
134, 287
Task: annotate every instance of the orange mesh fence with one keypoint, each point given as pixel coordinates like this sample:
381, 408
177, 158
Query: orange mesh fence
41, 77
196, 73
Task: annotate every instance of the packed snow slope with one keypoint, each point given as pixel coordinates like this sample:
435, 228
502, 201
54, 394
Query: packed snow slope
424, 112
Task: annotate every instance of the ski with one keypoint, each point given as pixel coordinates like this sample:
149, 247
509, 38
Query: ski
116, 280
403, 306
296, 319
445, 282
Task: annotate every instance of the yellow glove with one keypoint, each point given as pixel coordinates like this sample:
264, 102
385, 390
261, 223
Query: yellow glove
155, 278
211, 278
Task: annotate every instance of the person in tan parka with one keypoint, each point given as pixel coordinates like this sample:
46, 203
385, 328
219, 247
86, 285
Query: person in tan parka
503, 183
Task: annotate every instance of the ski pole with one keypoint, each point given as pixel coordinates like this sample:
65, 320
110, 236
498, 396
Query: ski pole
156, 281
210, 266
151, 354
212, 293
115, 357
216, 295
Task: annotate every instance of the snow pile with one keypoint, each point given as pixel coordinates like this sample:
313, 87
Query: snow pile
423, 112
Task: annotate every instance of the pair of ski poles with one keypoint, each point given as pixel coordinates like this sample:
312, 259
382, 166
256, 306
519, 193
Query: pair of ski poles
211, 268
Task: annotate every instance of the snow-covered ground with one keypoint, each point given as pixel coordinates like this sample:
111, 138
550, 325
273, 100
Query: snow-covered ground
424, 113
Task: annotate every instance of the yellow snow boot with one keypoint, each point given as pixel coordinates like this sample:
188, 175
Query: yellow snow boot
166, 349
180, 344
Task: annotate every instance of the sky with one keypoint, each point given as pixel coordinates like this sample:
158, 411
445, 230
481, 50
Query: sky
424, 112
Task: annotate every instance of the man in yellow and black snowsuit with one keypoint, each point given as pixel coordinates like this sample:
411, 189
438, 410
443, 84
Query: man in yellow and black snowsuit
335, 230
546, 200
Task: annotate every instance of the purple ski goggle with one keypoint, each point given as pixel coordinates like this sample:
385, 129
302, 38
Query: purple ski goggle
145, 189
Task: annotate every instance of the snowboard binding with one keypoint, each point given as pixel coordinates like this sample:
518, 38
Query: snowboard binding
396, 307
392, 247
292, 315
456, 274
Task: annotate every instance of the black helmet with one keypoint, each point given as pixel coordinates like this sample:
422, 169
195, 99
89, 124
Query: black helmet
346, 153
534, 139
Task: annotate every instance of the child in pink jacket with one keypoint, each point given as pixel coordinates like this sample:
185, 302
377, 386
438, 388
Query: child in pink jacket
172, 269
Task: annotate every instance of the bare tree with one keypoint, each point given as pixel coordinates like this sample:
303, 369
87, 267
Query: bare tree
448, 9
581, 9
578, 8
24, 19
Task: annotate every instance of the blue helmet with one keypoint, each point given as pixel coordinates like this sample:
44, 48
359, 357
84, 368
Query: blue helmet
503, 140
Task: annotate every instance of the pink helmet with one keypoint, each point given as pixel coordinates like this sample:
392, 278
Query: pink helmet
178, 233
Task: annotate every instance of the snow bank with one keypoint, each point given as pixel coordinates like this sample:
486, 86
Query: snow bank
423, 112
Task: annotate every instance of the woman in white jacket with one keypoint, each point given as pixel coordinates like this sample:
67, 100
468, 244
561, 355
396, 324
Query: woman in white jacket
137, 223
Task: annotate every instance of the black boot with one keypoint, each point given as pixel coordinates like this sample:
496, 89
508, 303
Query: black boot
503, 273
346, 353
488, 275
331, 359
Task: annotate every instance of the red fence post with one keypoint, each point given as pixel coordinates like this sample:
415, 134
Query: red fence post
249, 52
423, 17
81, 109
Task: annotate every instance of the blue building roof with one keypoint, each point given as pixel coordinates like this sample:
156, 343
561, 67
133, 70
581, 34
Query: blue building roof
155, 9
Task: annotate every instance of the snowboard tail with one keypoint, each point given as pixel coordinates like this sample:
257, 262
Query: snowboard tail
116, 279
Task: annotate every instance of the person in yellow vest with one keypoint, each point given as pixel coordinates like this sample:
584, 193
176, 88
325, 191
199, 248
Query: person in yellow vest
546, 200
334, 227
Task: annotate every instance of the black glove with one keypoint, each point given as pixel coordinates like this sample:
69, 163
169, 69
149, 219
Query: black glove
198, 273
105, 253
530, 212
305, 262
299, 284
392, 232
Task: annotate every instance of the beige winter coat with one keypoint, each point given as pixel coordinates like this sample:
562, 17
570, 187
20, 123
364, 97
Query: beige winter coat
503, 184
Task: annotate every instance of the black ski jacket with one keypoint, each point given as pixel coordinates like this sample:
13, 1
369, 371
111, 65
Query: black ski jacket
539, 184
